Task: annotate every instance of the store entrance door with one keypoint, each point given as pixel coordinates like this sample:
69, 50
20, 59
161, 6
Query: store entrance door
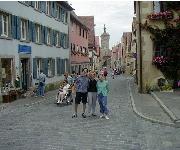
25, 73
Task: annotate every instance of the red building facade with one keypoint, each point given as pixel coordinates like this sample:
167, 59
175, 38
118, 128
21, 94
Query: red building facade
79, 44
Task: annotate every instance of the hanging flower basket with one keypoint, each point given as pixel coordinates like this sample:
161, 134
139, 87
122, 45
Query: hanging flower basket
160, 61
161, 15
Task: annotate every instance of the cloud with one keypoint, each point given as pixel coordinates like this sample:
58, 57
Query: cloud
117, 15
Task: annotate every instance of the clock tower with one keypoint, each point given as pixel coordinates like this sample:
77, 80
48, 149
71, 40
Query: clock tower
105, 51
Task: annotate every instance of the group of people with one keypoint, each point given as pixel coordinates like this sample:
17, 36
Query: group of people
88, 89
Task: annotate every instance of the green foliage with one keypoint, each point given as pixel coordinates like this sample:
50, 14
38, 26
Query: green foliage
53, 86
166, 87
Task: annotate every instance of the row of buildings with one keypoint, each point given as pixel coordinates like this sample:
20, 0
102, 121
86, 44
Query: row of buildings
44, 35
151, 51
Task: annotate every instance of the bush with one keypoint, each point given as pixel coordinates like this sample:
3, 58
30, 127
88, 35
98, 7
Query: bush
53, 86
166, 87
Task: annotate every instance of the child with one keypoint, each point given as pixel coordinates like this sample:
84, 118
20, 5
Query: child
62, 91
102, 90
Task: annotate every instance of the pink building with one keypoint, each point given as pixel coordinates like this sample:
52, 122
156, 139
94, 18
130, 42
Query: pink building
79, 44
89, 22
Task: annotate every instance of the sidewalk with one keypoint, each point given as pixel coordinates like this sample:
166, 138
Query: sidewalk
146, 107
172, 101
28, 101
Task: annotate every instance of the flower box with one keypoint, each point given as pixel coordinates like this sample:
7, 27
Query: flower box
161, 15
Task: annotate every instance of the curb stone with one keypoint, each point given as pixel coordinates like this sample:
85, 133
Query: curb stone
172, 116
145, 117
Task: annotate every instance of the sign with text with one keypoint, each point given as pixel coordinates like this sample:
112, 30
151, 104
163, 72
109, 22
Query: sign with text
24, 49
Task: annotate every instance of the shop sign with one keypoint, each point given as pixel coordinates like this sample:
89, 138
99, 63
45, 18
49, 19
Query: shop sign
24, 49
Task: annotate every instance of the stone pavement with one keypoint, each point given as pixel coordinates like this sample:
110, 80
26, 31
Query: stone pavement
172, 101
146, 107
44, 126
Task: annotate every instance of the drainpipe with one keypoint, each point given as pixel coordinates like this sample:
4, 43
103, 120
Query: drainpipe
140, 45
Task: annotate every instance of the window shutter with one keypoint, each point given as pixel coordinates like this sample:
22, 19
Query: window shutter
33, 32
42, 34
13, 26
53, 67
30, 31
58, 65
55, 9
35, 68
67, 41
43, 6
33, 3
67, 65
45, 38
18, 28
29, 3
52, 37
45, 66
59, 39
0, 25
61, 66
52, 8
9, 26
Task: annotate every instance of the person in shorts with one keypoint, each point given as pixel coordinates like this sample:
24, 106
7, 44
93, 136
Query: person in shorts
81, 85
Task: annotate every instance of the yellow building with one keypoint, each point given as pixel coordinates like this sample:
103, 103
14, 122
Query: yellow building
151, 18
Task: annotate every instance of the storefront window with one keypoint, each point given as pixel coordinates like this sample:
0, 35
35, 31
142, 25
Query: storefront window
6, 70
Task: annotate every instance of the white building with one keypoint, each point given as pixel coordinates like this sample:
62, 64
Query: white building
33, 37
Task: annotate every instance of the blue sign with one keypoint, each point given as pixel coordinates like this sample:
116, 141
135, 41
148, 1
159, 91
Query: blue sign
24, 49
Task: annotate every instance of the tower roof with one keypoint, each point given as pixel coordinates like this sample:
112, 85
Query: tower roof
105, 33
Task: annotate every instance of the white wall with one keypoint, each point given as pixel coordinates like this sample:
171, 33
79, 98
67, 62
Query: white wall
28, 12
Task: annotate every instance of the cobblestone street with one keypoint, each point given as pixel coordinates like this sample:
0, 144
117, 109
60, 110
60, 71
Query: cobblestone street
26, 125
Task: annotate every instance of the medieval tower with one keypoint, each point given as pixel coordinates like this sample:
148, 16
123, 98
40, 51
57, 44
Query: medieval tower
105, 51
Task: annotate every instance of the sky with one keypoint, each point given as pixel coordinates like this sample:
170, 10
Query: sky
116, 15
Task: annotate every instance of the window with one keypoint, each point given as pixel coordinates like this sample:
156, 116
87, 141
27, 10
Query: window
74, 47
66, 17
23, 29
80, 31
57, 39
83, 33
63, 15
4, 25
48, 8
58, 12
159, 6
64, 40
50, 68
7, 70
77, 49
48, 36
36, 5
37, 28
39, 66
